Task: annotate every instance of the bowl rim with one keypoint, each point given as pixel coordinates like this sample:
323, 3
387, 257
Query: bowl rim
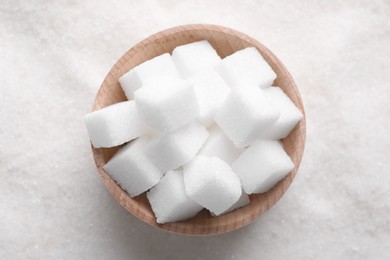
233, 223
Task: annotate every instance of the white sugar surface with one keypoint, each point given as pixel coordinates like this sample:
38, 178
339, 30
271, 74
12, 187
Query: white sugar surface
54, 56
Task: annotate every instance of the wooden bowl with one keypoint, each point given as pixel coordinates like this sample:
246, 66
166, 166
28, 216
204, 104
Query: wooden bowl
225, 41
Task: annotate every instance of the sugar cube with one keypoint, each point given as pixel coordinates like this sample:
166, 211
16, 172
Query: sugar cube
246, 66
169, 200
211, 90
242, 201
115, 125
245, 114
169, 106
220, 146
194, 57
210, 182
262, 165
132, 169
171, 150
289, 114
160, 66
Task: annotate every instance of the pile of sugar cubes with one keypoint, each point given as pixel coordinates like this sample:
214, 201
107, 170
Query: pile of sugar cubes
200, 131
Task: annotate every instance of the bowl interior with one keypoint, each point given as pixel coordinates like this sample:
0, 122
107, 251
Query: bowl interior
225, 41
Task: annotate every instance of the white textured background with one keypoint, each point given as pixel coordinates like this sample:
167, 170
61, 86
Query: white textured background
55, 54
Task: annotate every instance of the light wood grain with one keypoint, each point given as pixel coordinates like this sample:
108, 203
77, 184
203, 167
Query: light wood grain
225, 41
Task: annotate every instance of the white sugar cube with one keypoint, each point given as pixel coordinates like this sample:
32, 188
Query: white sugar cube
192, 58
262, 165
169, 200
115, 125
220, 146
169, 106
245, 114
132, 169
289, 114
171, 150
242, 201
211, 90
210, 182
246, 66
160, 66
